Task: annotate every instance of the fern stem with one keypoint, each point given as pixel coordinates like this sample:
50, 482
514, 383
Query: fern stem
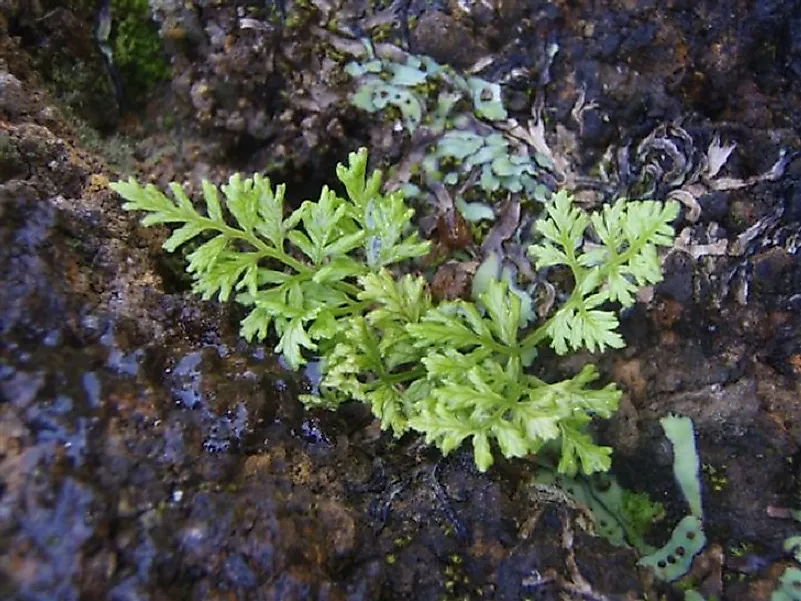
405, 376
261, 246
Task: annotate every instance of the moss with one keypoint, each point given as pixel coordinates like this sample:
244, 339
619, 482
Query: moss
383, 32
741, 549
78, 84
117, 150
302, 13
138, 51
11, 161
338, 57
640, 512
716, 476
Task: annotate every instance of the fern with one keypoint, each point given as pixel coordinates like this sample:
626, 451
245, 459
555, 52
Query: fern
294, 272
454, 371
626, 259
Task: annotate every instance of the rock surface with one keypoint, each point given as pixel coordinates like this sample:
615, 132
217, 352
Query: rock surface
146, 452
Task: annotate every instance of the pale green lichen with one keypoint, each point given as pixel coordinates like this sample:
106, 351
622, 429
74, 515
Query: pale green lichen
382, 82
500, 166
790, 581
789, 586
674, 560
792, 545
458, 112
621, 516
679, 431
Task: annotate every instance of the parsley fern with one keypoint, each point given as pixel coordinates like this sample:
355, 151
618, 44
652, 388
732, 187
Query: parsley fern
454, 371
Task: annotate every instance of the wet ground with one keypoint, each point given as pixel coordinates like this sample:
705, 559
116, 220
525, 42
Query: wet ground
148, 453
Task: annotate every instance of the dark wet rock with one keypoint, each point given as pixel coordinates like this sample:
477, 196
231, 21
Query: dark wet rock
769, 267
678, 281
596, 131
445, 39
734, 436
792, 211
714, 206
13, 100
236, 72
127, 411
744, 415
45, 548
11, 162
